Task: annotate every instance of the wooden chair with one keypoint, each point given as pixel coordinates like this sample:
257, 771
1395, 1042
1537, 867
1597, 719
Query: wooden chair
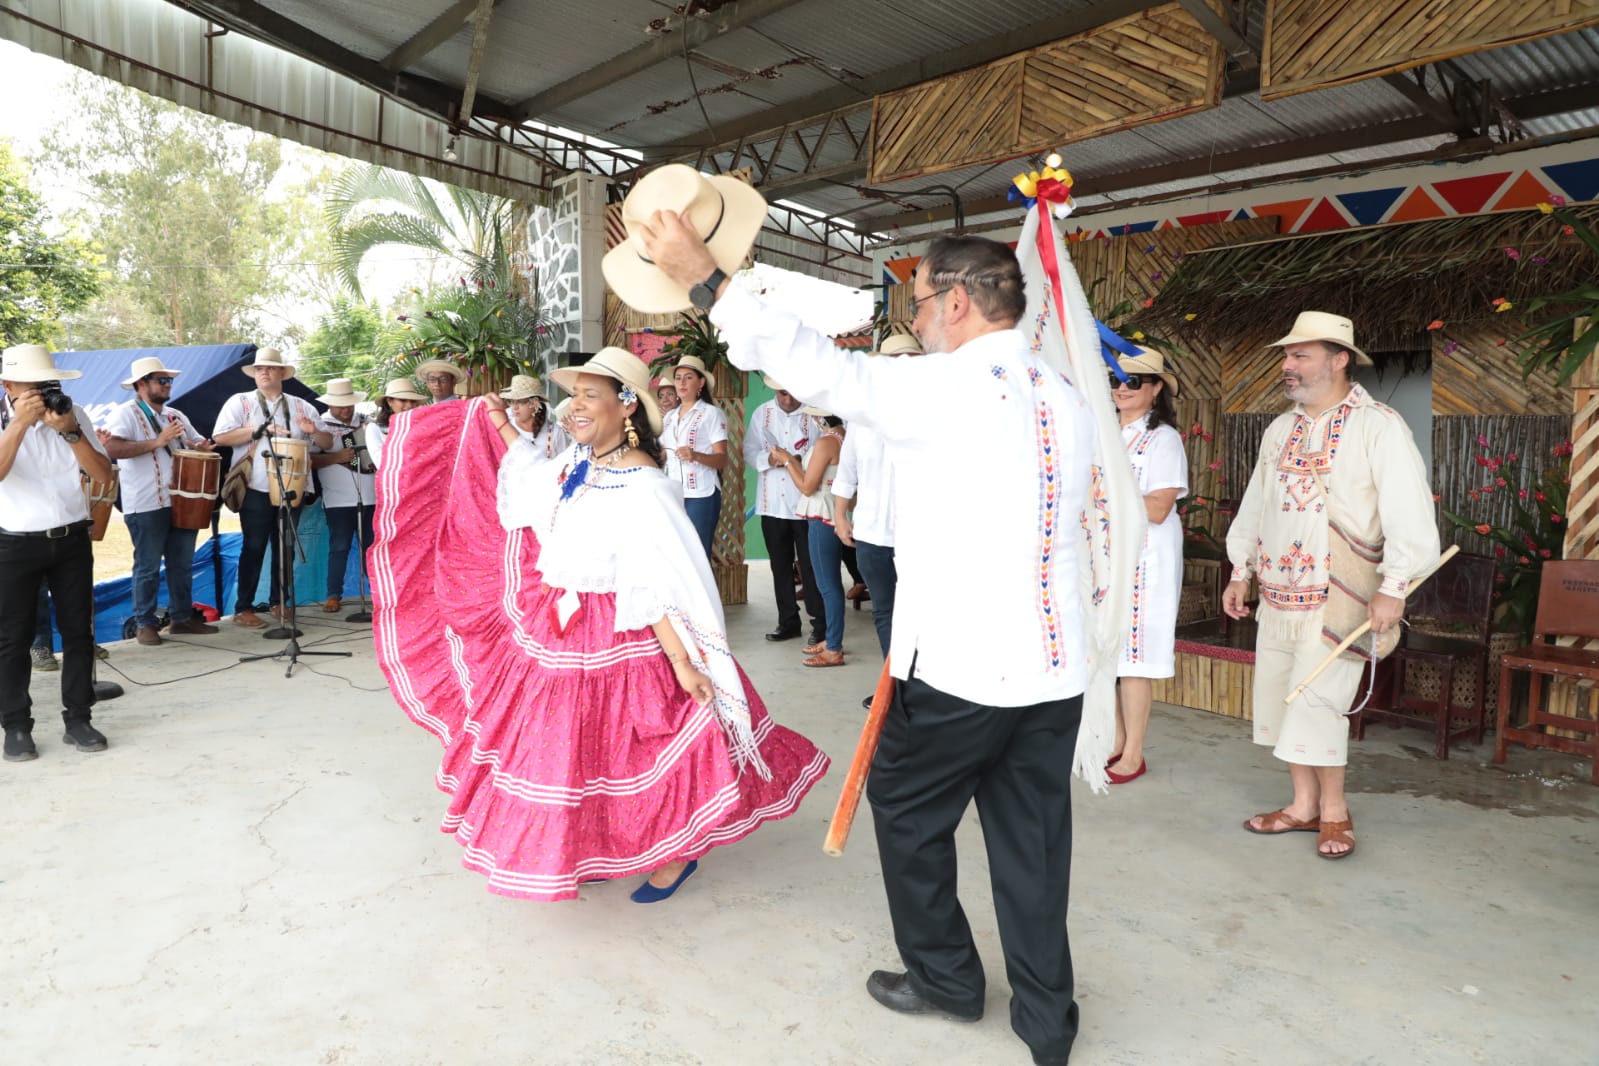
1568, 606
1459, 598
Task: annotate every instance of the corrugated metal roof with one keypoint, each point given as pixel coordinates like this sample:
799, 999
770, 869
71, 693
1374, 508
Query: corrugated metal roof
1547, 63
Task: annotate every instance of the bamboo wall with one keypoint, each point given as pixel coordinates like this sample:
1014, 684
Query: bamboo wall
1474, 372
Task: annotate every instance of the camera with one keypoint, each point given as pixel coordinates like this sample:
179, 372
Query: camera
55, 401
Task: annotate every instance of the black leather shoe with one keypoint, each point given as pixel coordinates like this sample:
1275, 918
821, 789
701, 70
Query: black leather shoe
867, 703
19, 746
894, 991
84, 737
782, 634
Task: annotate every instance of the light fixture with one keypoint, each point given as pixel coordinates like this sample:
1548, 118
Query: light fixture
449, 149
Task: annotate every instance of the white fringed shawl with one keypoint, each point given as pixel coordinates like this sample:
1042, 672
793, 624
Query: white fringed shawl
1114, 525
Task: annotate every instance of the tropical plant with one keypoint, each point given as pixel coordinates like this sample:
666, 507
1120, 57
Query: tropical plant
478, 325
1536, 532
1568, 339
45, 277
696, 335
371, 206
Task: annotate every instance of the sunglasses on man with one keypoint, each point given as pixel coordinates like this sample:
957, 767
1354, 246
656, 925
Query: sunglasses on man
163, 380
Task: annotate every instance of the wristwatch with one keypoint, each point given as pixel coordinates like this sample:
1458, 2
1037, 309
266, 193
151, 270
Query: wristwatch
703, 295
73, 437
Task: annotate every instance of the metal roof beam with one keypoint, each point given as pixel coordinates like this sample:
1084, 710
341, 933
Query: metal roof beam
1223, 30
429, 37
916, 71
694, 32
256, 20
474, 66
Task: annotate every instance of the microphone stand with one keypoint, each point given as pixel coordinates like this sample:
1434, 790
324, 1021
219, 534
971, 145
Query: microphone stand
288, 534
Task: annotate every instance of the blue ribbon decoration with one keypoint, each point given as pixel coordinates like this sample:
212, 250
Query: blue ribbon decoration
1111, 343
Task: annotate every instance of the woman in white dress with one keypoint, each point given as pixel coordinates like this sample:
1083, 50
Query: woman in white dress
1160, 469
530, 418
398, 395
695, 438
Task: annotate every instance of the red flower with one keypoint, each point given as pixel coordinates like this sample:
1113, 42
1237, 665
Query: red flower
1485, 529
1149, 301
1512, 457
1436, 323
1522, 493
1562, 449
1499, 579
1482, 460
1540, 497
1206, 438
1482, 440
1523, 560
1512, 253
1436, 497
1545, 553
1500, 482
1216, 465
1499, 552
1567, 230
1555, 519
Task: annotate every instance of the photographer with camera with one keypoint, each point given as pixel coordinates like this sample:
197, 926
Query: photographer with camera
46, 447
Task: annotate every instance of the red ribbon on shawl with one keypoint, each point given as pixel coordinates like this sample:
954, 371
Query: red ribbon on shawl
1051, 191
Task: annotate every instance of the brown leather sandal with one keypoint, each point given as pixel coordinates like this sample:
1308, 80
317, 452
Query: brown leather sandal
1336, 833
825, 658
814, 649
1280, 821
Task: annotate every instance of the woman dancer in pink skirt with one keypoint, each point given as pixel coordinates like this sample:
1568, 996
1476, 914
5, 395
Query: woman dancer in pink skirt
558, 628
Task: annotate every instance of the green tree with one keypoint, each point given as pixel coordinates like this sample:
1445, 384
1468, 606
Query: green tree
179, 200
42, 277
355, 340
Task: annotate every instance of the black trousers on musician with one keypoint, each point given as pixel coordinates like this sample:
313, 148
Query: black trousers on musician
788, 542
66, 565
258, 521
936, 755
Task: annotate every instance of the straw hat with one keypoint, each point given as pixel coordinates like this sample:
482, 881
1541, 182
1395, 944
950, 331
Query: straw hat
340, 394
403, 389
28, 363
774, 386
562, 409
724, 211
900, 344
1322, 326
696, 364
625, 367
816, 411
268, 357
143, 368
1149, 361
524, 387
442, 367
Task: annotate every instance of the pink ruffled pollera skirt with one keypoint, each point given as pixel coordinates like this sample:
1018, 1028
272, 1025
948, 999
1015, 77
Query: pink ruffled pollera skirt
567, 755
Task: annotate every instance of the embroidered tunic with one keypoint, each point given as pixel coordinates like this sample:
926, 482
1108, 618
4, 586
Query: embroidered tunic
776, 495
1159, 462
1367, 460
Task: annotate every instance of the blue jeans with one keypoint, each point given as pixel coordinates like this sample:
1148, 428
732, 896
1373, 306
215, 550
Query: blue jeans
341, 530
258, 520
827, 555
703, 512
877, 569
154, 538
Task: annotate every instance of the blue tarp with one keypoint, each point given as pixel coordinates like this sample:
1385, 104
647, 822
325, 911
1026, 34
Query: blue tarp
209, 375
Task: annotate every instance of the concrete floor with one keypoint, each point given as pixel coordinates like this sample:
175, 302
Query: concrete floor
253, 874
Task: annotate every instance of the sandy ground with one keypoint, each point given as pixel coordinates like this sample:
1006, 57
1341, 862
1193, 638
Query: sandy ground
253, 874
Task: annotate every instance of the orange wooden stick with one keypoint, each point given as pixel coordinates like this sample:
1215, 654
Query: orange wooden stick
850, 798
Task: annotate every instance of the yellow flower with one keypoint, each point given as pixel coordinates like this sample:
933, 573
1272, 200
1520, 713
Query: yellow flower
1547, 209
1507, 305
1190, 317
1138, 335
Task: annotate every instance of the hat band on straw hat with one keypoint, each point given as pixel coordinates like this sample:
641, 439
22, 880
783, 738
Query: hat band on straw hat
721, 213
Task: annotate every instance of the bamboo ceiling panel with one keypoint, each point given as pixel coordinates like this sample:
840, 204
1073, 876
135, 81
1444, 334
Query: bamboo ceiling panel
1155, 65
1313, 44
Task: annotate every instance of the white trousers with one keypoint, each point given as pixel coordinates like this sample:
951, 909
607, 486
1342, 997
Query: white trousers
1313, 730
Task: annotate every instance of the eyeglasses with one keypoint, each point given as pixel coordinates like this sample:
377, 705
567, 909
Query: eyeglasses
160, 380
1134, 381
917, 301
439, 379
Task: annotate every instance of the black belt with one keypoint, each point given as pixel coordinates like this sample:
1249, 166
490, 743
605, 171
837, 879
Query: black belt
49, 534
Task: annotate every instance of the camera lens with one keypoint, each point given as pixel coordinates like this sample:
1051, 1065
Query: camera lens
55, 401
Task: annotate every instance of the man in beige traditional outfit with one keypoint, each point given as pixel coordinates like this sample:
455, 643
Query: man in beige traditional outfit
1336, 523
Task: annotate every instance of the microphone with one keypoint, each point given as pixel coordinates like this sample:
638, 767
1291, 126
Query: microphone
266, 427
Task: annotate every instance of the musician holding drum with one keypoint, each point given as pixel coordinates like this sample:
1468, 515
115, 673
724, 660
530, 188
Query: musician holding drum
250, 423
349, 484
148, 439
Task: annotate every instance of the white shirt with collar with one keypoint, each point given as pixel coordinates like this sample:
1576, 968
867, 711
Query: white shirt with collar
776, 495
699, 427
547, 442
244, 410
147, 479
341, 485
865, 473
1012, 635
45, 487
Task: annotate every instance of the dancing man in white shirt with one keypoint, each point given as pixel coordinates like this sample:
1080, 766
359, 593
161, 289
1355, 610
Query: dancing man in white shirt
243, 424
141, 435
778, 431
990, 673
44, 537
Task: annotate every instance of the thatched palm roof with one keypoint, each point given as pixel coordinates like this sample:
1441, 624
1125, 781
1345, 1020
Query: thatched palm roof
1392, 280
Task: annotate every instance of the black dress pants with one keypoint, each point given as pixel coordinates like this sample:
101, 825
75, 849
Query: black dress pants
258, 520
66, 564
936, 754
788, 541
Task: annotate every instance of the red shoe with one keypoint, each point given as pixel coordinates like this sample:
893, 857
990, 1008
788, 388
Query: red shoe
1122, 779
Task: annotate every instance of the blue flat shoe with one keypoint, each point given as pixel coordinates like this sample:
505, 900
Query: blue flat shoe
648, 893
